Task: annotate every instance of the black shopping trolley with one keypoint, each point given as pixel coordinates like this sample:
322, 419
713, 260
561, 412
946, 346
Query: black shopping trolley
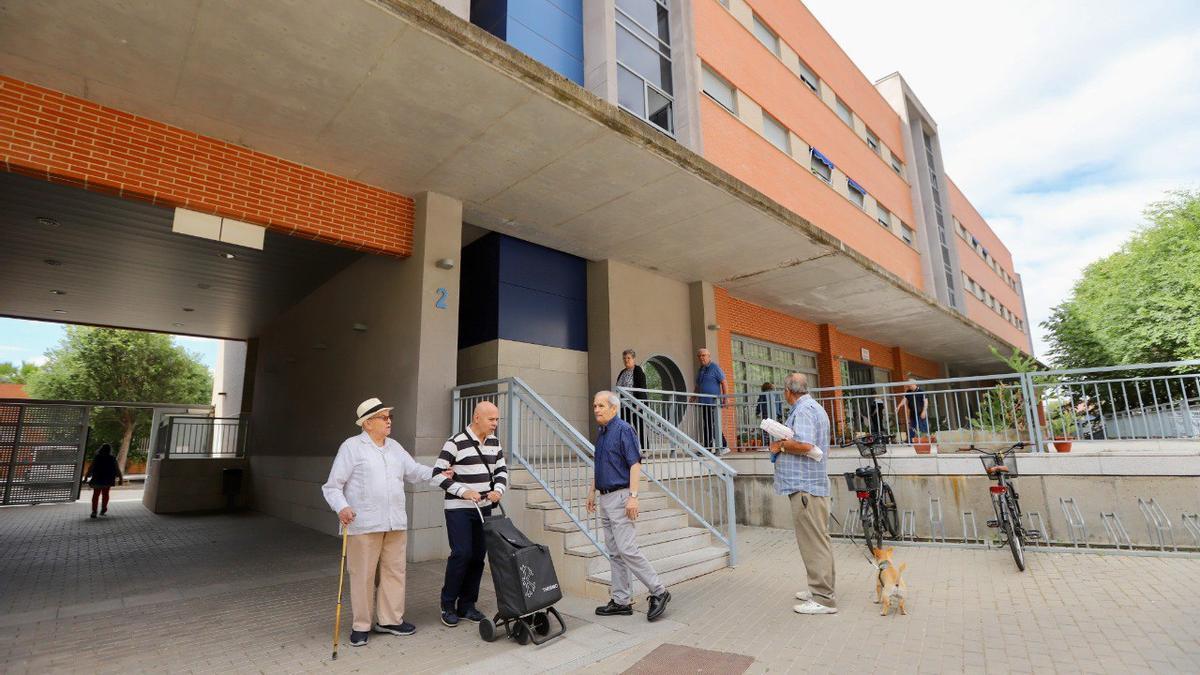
525, 581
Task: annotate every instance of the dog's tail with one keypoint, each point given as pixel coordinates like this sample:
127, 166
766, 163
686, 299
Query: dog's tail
903, 566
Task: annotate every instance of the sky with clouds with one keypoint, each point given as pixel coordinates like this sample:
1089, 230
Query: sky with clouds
22, 341
1059, 120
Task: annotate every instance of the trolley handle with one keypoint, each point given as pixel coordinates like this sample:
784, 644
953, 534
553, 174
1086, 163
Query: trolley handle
480, 511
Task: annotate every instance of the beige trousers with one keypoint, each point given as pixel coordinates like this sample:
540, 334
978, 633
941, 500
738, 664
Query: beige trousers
810, 516
369, 554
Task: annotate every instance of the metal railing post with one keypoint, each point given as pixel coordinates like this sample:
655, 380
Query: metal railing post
1029, 393
455, 411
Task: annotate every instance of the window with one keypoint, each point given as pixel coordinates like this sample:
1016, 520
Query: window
776, 133
897, 166
882, 215
766, 36
872, 141
719, 90
724, 3
856, 192
821, 165
843, 112
906, 233
756, 362
644, 81
807, 76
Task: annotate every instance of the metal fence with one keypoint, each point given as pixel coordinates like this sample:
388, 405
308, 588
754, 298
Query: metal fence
202, 437
535, 437
560, 458
1119, 403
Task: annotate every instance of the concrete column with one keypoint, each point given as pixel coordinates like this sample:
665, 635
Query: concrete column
429, 299
704, 314
599, 49
601, 352
229, 378
460, 8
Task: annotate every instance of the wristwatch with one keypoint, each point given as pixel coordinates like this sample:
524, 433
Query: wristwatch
633, 494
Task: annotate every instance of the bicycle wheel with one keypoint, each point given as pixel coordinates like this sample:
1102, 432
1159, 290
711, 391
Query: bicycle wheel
1013, 532
889, 516
872, 531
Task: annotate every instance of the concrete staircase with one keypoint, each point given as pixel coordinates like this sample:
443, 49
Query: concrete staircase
675, 547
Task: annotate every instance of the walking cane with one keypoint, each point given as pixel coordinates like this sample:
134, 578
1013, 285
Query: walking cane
337, 621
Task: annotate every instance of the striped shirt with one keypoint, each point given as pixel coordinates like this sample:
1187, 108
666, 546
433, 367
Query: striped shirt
796, 473
470, 473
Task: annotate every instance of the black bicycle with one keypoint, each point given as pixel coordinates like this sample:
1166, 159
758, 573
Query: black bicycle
876, 502
1006, 502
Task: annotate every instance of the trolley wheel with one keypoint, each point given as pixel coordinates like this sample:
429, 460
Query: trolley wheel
487, 630
541, 624
521, 632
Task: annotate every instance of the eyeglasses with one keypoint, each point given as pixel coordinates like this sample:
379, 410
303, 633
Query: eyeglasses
387, 418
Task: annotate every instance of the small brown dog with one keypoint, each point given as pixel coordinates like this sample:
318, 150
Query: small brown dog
888, 581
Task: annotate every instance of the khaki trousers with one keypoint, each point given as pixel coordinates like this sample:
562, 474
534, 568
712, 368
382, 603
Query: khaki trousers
382, 553
810, 516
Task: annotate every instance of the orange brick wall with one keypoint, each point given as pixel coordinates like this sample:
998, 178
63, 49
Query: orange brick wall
64, 139
738, 317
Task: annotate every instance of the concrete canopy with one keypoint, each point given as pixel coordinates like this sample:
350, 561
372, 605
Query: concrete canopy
403, 95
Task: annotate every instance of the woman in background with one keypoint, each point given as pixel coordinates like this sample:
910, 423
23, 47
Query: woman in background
102, 475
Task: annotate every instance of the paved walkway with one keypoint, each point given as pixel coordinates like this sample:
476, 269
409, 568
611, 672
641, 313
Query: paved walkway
249, 593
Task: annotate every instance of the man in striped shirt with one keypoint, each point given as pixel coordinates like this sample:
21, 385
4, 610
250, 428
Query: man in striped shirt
479, 476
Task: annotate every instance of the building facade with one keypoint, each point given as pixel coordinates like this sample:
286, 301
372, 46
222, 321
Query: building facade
393, 197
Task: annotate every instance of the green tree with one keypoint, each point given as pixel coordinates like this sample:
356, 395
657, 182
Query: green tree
13, 374
1140, 304
105, 364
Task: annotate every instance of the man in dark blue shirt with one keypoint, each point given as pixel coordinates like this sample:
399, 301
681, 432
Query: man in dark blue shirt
618, 472
710, 380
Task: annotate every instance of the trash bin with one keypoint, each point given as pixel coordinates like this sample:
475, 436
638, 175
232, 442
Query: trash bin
231, 487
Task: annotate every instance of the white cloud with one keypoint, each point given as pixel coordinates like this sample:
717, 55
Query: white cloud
38, 360
1060, 121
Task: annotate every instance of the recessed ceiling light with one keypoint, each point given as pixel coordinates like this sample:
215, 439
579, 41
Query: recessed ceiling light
55, 291
177, 324
189, 309
52, 262
204, 287
47, 222
228, 256
60, 311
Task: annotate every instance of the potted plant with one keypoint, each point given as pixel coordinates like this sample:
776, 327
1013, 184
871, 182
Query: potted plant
1062, 425
922, 444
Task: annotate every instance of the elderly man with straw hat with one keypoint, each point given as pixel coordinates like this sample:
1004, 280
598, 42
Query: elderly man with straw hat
366, 490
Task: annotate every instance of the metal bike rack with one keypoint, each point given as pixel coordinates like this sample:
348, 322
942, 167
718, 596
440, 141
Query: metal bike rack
974, 531
851, 526
908, 525
1191, 523
1044, 540
1116, 530
1076, 527
1158, 525
937, 526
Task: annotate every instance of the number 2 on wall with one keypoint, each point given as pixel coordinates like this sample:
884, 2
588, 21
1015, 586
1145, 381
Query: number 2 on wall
442, 294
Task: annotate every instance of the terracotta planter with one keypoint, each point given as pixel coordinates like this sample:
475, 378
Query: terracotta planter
923, 445
1062, 443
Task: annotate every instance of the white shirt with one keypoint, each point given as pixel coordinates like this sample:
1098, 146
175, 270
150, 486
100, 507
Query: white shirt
370, 479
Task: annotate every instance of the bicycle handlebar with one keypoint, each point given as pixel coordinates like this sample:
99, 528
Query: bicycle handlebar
1016, 446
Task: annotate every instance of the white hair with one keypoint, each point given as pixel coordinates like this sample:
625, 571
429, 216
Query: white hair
609, 396
797, 383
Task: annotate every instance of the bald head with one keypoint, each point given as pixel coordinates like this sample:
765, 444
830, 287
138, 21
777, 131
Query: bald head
485, 419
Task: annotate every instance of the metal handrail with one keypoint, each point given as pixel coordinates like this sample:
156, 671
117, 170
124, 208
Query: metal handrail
649, 421
515, 398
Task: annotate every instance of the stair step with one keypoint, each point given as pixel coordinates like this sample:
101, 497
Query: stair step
553, 514
676, 568
645, 540
643, 518
655, 521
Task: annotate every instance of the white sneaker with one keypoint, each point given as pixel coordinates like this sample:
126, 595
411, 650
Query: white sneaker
811, 607
804, 595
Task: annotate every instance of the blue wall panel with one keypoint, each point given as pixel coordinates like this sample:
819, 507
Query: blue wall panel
515, 290
550, 31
